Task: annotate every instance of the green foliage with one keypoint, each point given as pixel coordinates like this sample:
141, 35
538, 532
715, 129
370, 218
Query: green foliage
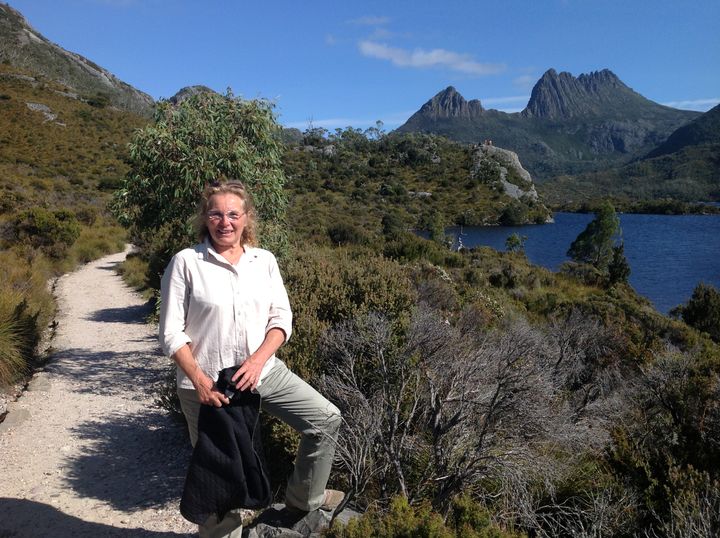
514, 214
594, 245
702, 311
618, 268
327, 286
466, 520
669, 432
18, 336
421, 180
515, 243
345, 233
53, 232
95, 242
202, 139
26, 308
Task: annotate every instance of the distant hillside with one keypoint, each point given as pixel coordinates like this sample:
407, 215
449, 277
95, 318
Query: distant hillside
23, 47
685, 167
569, 126
704, 129
56, 150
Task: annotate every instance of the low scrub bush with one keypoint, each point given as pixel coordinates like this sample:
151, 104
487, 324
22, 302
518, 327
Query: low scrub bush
466, 520
53, 232
134, 272
327, 286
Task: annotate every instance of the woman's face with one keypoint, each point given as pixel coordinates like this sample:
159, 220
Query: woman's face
225, 219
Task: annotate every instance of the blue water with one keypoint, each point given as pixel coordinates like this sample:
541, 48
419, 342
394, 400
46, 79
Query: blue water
668, 254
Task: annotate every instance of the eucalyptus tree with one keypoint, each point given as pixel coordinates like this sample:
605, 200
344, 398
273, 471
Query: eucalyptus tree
594, 245
190, 144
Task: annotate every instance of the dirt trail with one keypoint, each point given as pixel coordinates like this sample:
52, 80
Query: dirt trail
84, 452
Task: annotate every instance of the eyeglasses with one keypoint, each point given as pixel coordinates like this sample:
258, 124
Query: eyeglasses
217, 216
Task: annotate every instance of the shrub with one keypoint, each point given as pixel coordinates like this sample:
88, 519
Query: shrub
467, 520
514, 214
344, 233
702, 311
327, 286
20, 333
53, 232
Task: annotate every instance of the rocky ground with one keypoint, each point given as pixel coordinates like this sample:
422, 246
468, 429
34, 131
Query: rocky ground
85, 451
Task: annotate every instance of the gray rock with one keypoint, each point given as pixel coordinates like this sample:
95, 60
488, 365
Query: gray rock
450, 104
278, 522
506, 160
189, 91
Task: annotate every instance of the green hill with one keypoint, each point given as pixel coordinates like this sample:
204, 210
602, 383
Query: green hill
703, 130
685, 167
55, 149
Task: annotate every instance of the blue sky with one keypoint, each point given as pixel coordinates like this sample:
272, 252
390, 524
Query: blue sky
339, 63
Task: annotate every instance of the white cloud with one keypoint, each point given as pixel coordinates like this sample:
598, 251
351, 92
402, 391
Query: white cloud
419, 58
371, 21
390, 121
701, 105
525, 81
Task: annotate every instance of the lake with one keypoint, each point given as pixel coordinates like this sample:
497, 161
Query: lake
668, 254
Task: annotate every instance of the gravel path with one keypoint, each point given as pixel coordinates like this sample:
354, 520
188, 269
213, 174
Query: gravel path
84, 451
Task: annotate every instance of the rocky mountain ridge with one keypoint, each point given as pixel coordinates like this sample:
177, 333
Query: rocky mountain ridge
23, 47
562, 96
570, 124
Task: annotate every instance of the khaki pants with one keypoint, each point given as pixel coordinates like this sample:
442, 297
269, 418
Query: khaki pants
289, 398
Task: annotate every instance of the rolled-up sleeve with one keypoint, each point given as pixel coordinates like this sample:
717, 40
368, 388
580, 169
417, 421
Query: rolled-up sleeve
280, 315
174, 298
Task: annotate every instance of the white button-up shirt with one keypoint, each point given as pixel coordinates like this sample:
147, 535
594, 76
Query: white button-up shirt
222, 310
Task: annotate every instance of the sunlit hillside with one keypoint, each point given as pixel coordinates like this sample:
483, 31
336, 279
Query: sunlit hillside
55, 149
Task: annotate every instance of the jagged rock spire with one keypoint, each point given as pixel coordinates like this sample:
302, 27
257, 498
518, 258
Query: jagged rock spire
450, 104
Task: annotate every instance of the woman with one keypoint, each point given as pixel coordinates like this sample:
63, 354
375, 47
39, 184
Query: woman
224, 304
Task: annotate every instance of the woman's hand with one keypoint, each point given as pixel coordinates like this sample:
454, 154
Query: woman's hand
205, 387
207, 393
248, 374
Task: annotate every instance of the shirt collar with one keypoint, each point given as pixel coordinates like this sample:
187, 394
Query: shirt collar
207, 251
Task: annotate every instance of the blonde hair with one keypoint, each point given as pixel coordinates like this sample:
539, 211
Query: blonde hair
228, 186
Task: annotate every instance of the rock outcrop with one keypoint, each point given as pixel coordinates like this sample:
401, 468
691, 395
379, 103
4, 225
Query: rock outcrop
515, 181
189, 91
561, 95
570, 125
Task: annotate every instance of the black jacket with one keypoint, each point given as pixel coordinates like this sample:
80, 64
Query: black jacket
227, 469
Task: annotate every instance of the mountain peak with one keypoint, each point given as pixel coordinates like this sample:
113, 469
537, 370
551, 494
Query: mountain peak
23, 47
450, 104
561, 95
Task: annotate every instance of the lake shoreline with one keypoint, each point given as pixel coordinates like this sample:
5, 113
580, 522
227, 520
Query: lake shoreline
668, 254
